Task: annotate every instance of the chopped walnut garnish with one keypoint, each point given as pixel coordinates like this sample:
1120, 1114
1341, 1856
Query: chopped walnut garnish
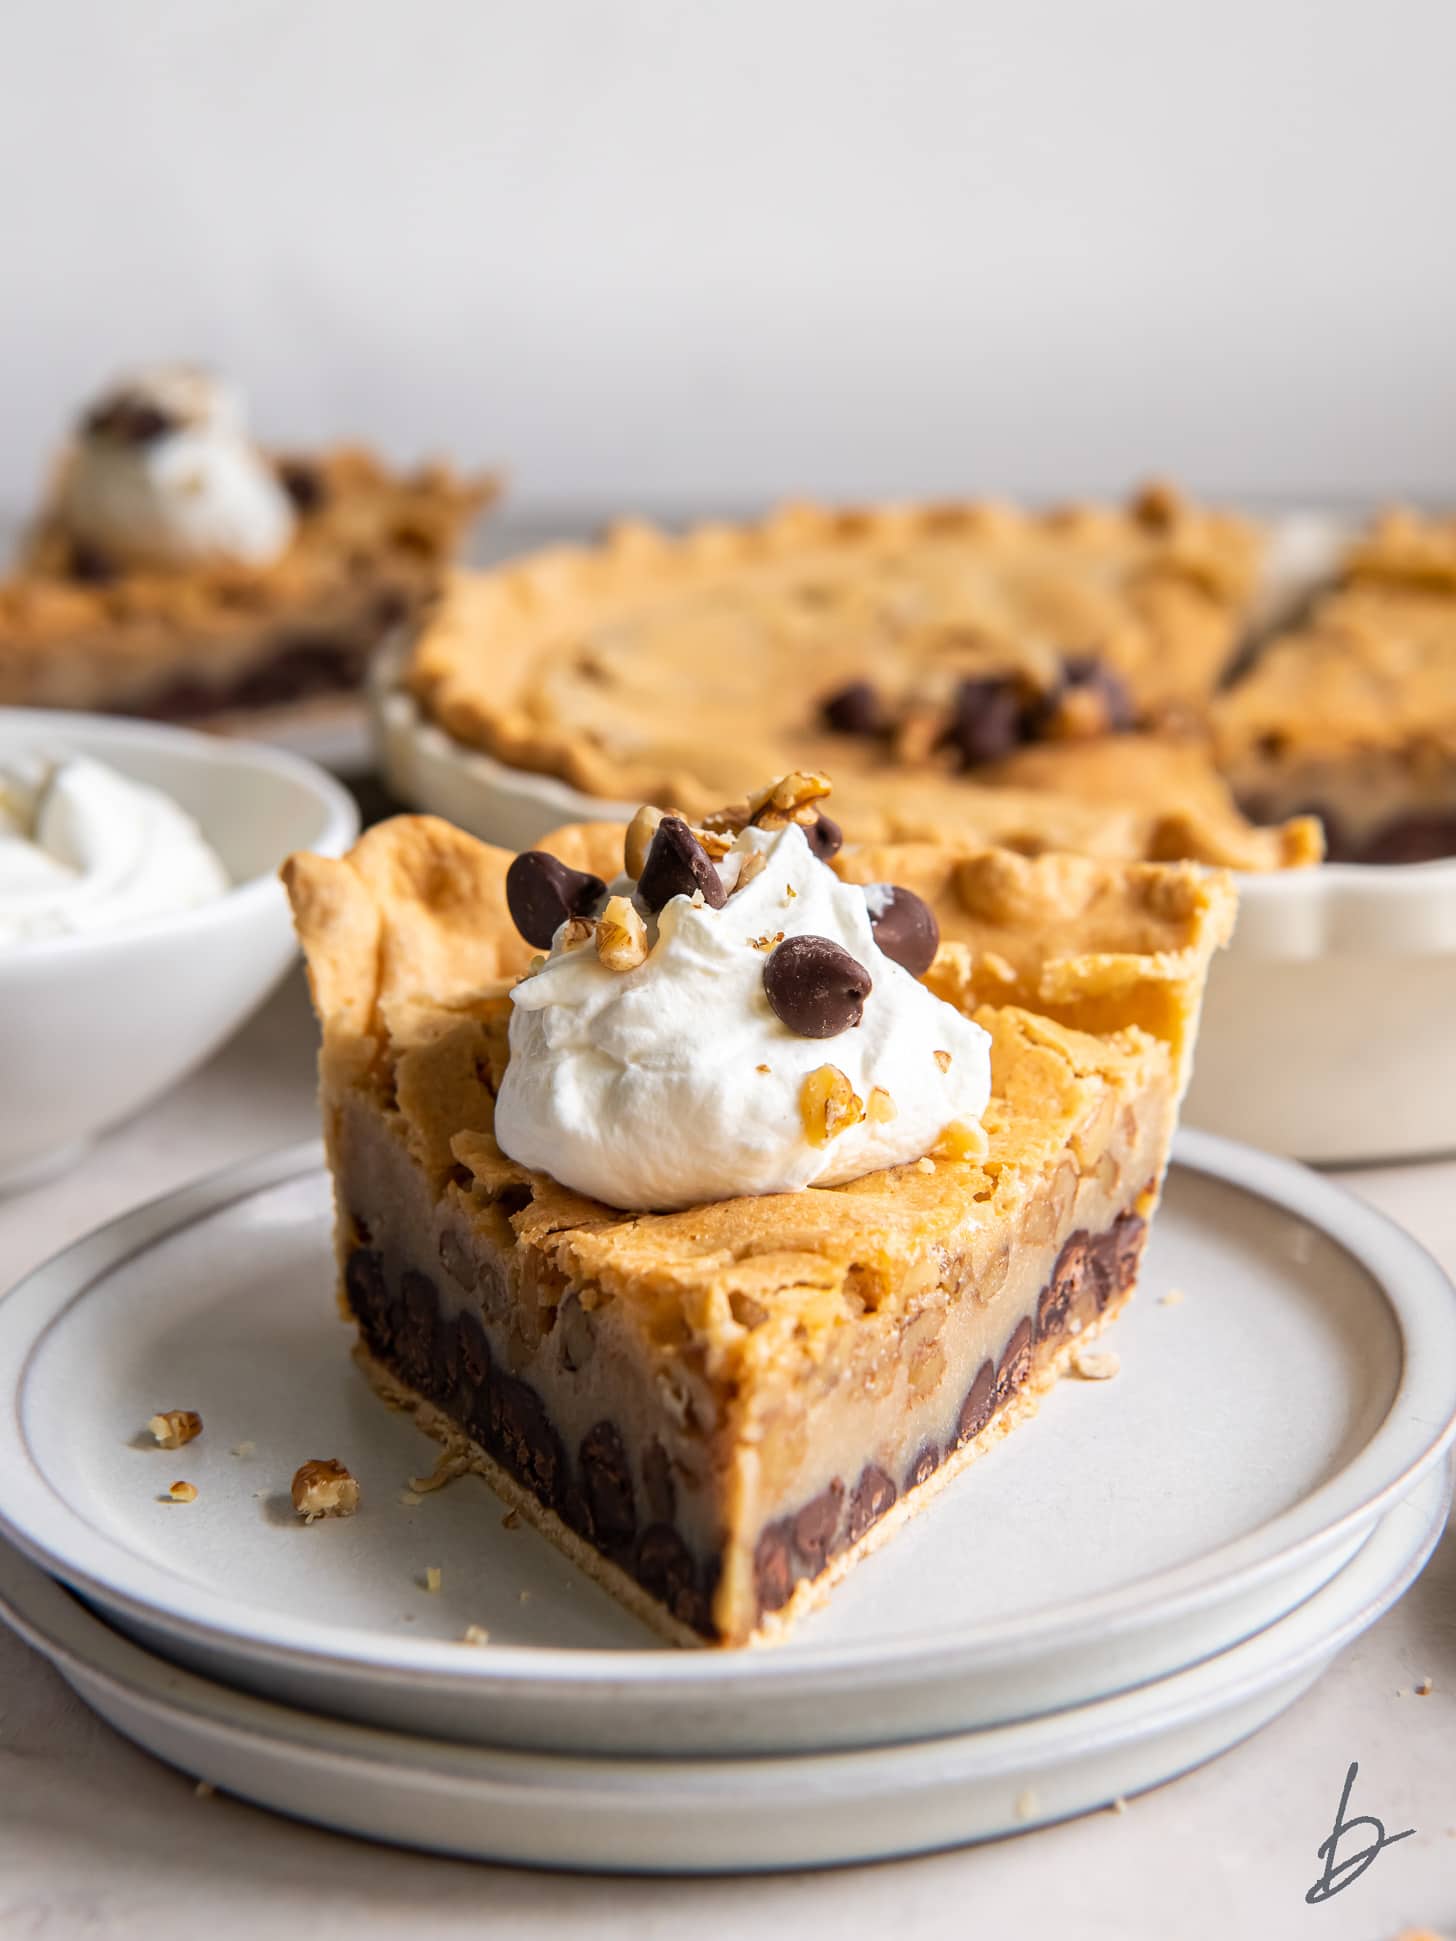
576, 931
767, 942
324, 1487
753, 864
621, 935
172, 1427
761, 1068
714, 844
942, 1058
183, 1492
880, 1107
790, 799
640, 831
828, 1105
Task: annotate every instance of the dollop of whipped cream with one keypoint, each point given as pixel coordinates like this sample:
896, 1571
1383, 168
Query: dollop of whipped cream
83, 848
675, 1082
164, 475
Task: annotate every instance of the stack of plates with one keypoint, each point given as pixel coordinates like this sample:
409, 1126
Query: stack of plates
1152, 1571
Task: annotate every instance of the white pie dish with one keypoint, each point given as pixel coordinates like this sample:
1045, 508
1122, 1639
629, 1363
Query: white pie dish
93, 1026
1327, 1028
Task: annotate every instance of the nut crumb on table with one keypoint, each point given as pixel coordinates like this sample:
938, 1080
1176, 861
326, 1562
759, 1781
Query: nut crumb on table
324, 1487
432, 1578
170, 1428
1096, 1364
1425, 1688
475, 1634
181, 1492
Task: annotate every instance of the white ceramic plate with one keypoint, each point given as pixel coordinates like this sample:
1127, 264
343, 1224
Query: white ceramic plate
741, 1815
1255, 1432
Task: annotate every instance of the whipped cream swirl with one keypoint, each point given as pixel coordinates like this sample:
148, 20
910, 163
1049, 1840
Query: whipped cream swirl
674, 1083
83, 848
164, 475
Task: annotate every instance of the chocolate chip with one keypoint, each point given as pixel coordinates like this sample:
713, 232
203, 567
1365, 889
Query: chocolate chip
678, 865
658, 1485
1084, 674
904, 925
988, 719
304, 483
815, 988
90, 565
416, 1344
873, 1495
1128, 1233
368, 1296
855, 710
773, 1572
824, 837
474, 1351
924, 1466
542, 892
665, 1567
977, 1407
128, 420
816, 1526
524, 1439
606, 1483
1015, 1363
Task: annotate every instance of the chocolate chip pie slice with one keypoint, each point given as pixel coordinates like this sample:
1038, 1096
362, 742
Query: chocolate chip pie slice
178, 571
720, 1197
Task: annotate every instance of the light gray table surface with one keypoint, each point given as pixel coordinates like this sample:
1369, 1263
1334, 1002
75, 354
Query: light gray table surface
98, 1839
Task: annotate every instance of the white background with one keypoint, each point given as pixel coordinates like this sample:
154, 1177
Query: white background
652, 250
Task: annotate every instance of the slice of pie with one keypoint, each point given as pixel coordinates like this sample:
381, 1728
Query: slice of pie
178, 571
1352, 717
716, 1410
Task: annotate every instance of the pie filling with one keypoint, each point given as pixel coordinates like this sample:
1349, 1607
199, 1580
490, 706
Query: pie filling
722, 1503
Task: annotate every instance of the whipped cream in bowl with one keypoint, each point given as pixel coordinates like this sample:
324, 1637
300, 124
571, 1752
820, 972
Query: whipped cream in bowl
164, 475
730, 1025
84, 848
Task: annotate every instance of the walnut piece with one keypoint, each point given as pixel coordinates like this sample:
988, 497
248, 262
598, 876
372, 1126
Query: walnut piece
828, 1105
621, 935
172, 1427
790, 799
324, 1487
183, 1492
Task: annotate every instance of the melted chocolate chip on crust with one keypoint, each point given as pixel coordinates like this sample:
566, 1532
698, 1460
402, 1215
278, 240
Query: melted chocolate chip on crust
606, 1481
816, 1526
678, 865
773, 1570
542, 892
874, 1493
904, 926
304, 483
977, 1407
815, 988
856, 709
988, 720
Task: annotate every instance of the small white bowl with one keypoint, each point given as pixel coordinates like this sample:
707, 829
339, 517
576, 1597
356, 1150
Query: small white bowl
1329, 1028
92, 1027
